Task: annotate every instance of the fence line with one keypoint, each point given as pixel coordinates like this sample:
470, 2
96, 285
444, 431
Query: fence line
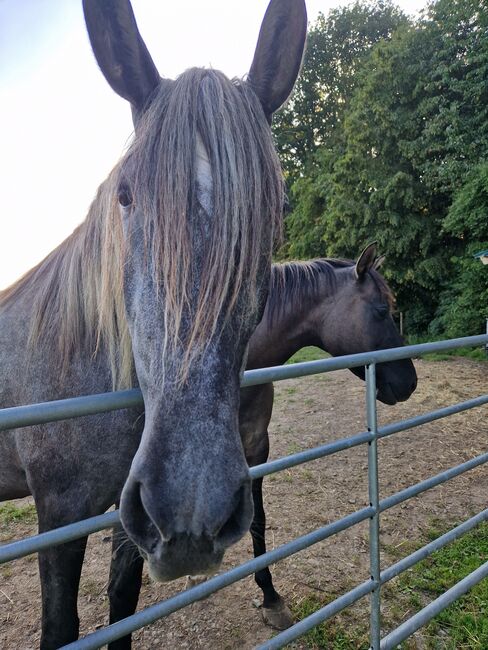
76, 407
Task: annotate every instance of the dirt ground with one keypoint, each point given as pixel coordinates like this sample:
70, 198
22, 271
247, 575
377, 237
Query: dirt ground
307, 412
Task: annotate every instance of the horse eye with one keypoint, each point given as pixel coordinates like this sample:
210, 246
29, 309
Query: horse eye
382, 311
125, 196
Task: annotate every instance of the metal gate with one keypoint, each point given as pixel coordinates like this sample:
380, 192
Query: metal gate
47, 412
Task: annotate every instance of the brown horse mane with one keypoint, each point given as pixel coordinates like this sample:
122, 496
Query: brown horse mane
77, 291
297, 282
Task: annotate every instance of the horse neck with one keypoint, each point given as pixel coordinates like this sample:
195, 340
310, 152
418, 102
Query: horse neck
296, 326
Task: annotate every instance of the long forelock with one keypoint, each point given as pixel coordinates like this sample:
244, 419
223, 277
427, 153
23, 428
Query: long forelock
247, 201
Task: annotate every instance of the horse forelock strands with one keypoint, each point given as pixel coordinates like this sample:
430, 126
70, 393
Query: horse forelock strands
247, 199
77, 291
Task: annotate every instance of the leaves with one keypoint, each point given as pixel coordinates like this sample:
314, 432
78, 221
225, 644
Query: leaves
384, 139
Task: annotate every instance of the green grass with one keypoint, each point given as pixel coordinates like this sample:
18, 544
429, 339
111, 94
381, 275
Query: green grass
10, 513
462, 626
478, 354
332, 635
310, 353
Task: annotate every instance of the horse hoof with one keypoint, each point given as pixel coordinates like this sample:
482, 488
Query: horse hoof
193, 581
278, 616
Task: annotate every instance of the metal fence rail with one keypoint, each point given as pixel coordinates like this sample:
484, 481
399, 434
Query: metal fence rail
51, 411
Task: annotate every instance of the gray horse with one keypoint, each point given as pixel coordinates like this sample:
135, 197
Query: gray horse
161, 286
340, 306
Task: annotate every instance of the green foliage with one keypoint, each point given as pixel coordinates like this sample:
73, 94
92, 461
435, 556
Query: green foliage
336, 45
393, 143
377, 191
453, 94
464, 304
468, 214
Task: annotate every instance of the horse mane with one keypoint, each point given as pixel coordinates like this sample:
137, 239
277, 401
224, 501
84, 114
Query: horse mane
297, 283
77, 290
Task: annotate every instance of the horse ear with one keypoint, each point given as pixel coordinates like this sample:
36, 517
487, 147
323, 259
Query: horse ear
366, 260
378, 263
279, 52
120, 51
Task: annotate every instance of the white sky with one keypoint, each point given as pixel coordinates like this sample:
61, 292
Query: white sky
63, 128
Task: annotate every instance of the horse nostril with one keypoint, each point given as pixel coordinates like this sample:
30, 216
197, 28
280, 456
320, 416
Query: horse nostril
239, 521
135, 519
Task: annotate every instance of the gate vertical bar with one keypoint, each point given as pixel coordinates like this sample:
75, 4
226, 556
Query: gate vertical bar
374, 523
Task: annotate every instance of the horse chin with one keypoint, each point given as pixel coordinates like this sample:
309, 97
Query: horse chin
386, 395
170, 560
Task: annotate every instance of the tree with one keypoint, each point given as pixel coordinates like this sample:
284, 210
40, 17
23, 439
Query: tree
416, 124
464, 304
336, 48
376, 190
453, 106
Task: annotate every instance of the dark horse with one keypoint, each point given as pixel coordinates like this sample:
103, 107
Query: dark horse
340, 306
161, 286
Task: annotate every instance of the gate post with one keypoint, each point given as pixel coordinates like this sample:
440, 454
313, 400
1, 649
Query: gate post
374, 522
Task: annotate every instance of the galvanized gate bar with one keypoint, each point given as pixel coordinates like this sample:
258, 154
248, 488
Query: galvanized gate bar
265, 375
76, 407
419, 555
432, 609
57, 536
35, 543
410, 423
63, 409
90, 404
438, 479
323, 614
184, 598
307, 455
374, 500
76, 530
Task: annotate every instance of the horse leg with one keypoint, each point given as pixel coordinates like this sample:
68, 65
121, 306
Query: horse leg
274, 609
60, 570
60, 566
124, 584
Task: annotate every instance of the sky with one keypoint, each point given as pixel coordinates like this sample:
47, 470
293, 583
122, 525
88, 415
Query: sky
63, 128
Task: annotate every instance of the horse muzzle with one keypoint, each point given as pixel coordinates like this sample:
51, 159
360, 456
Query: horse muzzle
183, 555
189, 543
390, 394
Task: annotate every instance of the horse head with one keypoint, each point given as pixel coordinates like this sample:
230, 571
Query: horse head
361, 320
199, 197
